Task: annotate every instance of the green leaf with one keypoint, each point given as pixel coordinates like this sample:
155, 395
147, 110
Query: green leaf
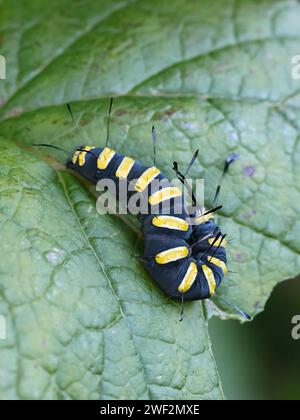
83, 318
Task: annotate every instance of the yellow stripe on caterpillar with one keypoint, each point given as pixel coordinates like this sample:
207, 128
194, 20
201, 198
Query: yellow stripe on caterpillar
80, 155
170, 222
220, 242
218, 263
189, 278
75, 157
146, 178
164, 194
124, 168
204, 218
171, 255
210, 278
105, 157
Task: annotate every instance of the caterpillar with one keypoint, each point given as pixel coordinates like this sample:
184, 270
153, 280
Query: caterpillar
185, 254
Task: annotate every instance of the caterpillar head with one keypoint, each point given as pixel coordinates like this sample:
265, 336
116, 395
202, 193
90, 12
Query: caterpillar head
84, 161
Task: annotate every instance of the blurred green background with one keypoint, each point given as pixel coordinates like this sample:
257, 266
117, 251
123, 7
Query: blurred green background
260, 360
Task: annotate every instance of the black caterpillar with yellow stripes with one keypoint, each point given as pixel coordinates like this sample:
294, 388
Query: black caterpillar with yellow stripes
176, 253
184, 254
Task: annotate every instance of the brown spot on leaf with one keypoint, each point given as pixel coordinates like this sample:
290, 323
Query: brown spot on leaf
15, 112
170, 112
120, 112
84, 122
165, 115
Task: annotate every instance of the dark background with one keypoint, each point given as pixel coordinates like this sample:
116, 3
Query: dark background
260, 360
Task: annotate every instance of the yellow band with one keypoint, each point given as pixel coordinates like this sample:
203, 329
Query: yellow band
189, 278
164, 194
124, 168
146, 178
172, 254
170, 222
105, 157
220, 242
80, 155
210, 278
218, 263
204, 218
